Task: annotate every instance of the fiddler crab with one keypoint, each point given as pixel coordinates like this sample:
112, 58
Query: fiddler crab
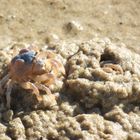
33, 72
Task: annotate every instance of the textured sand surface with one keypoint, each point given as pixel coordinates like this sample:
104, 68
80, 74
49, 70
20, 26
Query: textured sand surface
100, 95
99, 98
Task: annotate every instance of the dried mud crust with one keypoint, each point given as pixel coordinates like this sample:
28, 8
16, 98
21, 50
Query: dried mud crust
99, 99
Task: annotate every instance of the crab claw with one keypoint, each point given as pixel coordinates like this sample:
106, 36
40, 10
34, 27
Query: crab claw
29, 85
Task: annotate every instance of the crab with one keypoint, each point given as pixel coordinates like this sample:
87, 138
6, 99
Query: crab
109, 67
32, 71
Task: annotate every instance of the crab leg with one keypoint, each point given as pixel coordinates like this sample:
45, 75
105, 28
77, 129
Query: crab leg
48, 54
46, 78
3, 81
8, 93
51, 98
60, 67
51, 66
54, 66
44, 88
29, 85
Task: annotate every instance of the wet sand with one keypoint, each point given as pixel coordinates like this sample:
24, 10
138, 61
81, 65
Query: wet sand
35, 20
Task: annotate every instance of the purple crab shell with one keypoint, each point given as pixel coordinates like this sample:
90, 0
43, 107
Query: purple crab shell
27, 57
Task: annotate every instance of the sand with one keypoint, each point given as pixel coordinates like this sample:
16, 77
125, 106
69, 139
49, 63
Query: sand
98, 43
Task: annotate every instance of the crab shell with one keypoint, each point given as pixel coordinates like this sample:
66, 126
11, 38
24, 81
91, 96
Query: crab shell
28, 66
